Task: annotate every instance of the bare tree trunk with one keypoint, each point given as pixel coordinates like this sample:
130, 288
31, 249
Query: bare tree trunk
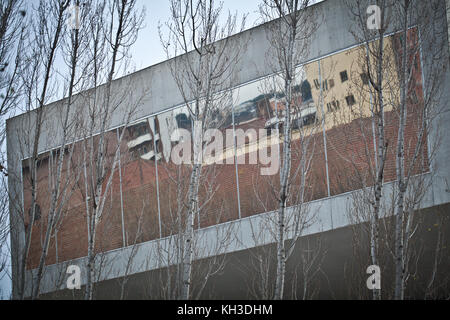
399, 90
400, 161
119, 37
285, 172
206, 68
381, 158
295, 23
49, 40
189, 233
60, 185
375, 68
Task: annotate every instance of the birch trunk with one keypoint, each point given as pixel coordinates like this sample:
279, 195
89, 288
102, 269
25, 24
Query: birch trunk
189, 233
285, 172
400, 169
378, 85
381, 158
119, 38
55, 208
201, 74
290, 42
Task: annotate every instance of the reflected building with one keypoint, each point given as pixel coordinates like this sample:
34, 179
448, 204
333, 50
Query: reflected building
142, 140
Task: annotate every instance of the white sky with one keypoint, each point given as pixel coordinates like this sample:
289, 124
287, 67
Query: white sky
148, 51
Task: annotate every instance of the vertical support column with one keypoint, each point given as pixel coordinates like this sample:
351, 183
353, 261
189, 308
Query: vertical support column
153, 127
324, 138
124, 242
277, 118
425, 96
235, 158
373, 119
323, 129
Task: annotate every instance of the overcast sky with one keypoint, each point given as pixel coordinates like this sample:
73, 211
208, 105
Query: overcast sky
148, 50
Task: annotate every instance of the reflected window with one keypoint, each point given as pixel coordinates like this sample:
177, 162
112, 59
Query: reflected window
183, 121
144, 151
344, 76
304, 121
306, 91
305, 117
309, 119
245, 112
333, 106
331, 82
350, 100
141, 140
365, 78
317, 84
138, 130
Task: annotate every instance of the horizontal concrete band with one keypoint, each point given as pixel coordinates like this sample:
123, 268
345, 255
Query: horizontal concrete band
327, 214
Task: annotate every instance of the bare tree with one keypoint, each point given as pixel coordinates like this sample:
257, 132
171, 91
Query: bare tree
289, 38
84, 49
438, 283
210, 241
393, 67
262, 262
410, 153
62, 183
205, 68
375, 64
37, 80
56, 167
303, 268
114, 28
208, 249
12, 33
